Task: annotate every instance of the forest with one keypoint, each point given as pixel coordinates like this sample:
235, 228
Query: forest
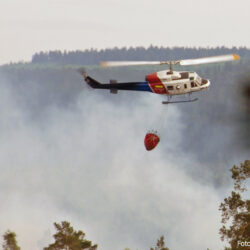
94, 57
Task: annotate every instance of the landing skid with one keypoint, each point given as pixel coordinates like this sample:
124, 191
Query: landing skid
169, 102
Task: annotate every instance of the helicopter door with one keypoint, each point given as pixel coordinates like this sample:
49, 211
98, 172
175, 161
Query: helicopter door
193, 84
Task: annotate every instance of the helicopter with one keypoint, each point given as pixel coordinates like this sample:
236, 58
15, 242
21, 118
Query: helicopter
167, 82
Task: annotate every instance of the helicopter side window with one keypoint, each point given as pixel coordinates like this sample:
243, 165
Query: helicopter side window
170, 88
184, 75
193, 85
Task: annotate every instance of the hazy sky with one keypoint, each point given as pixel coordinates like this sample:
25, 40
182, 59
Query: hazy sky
29, 26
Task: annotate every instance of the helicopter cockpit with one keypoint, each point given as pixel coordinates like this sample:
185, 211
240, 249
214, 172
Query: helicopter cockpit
201, 81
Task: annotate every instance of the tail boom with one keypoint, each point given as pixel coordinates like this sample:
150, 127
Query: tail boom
135, 86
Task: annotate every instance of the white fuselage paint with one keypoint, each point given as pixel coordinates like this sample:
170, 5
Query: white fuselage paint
175, 84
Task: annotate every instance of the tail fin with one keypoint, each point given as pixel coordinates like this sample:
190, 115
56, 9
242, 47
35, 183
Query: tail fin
90, 81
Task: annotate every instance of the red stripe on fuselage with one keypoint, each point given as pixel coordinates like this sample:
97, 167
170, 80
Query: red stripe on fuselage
156, 85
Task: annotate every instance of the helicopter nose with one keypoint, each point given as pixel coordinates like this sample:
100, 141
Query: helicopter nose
205, 83
208, 83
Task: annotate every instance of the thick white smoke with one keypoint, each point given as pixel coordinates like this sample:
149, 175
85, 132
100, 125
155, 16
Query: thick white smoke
87, 164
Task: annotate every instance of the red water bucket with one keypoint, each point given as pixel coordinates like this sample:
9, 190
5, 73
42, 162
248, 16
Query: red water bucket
151, 140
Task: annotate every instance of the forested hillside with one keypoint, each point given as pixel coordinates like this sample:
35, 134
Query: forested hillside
215, 129
93, 56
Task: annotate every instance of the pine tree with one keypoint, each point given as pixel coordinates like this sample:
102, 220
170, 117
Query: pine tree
160, 244
10, 242
66, 238
236, 210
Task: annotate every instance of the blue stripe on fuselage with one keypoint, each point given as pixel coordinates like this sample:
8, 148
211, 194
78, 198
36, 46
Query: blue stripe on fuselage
143, 86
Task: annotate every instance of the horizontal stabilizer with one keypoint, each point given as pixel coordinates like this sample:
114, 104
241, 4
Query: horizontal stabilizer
113, 90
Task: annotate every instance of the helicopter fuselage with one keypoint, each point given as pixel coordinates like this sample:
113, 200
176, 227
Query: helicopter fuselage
176, 82
164, 82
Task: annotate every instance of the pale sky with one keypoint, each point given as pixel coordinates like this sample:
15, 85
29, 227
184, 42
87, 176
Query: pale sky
29, 26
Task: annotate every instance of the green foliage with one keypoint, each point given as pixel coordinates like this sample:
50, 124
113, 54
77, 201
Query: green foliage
160, 245
10, 242
236, 210
66, 238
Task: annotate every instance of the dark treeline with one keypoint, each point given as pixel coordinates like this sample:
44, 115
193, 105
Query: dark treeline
94, 56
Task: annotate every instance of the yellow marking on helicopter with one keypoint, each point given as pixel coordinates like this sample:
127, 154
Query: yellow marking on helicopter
158, 86
236, 57
104, 64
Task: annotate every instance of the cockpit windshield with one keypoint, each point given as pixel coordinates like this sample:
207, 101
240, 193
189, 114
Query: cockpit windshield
199, 80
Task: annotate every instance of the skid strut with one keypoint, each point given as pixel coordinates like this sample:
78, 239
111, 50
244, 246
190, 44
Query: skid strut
169, 102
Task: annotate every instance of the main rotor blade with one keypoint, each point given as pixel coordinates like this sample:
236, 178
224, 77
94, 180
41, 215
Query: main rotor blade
212, 59
132, 63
